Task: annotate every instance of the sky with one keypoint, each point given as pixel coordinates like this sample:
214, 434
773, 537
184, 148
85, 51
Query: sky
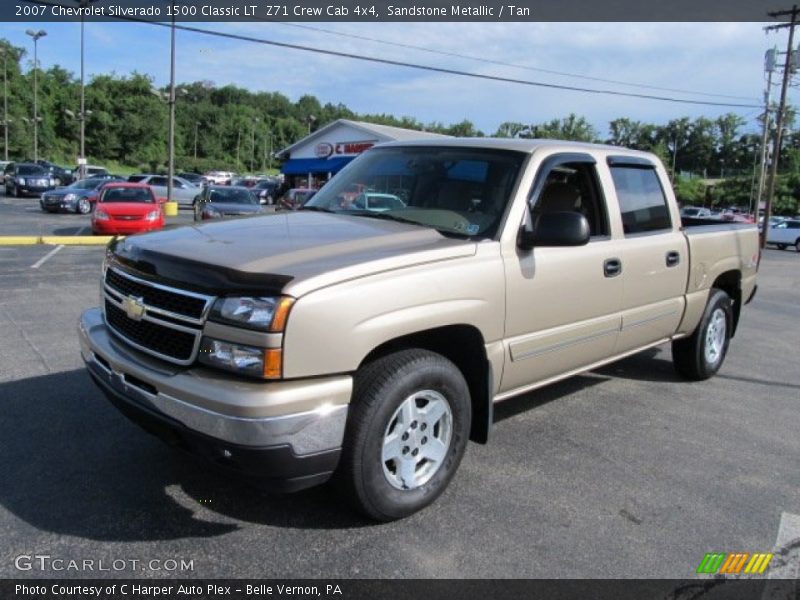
713, 58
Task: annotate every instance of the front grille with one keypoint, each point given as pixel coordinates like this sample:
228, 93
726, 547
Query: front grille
171, 320
129, 217
150, 336
174, 302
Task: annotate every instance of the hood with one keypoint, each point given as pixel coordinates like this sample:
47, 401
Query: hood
128, 209
227, 208
282, 253
62, 191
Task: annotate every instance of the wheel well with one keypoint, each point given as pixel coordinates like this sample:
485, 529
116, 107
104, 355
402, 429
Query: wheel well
464, 346
730, 282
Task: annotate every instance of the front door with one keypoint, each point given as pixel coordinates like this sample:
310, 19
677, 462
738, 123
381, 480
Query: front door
562, 303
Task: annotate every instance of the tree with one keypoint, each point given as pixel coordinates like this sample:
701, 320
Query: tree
571, 127
510, 129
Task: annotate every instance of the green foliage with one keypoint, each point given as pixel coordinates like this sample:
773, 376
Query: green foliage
690, 191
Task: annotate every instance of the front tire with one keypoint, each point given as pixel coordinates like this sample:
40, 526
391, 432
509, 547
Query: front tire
83, 206
407, 431
797, 245
781, 246
701, 355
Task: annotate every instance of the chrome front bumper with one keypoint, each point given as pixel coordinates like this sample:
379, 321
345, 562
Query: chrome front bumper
309, 416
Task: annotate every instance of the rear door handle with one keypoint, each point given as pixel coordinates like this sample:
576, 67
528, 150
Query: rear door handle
612, 267
673, 258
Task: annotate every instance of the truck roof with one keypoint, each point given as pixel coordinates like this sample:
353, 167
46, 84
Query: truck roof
519, 145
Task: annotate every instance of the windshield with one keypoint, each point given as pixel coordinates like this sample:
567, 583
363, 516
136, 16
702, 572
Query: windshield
31, 170
127, 194
230, 196
85, 184
454, 190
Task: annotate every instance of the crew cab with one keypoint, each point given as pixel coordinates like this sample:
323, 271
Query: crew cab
370, 346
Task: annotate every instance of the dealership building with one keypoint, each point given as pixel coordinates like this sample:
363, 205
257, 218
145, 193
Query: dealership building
320, 155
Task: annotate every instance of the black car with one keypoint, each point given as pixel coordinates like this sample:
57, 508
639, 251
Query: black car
76, 197
25, 179
218, 201
60, 174
266, 190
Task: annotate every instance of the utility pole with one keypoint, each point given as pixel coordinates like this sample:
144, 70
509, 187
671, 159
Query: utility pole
770, 60
776, 148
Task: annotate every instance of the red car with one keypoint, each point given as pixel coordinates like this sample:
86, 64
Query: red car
124, 208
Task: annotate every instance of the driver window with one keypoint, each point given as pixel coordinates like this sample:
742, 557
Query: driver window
574, 187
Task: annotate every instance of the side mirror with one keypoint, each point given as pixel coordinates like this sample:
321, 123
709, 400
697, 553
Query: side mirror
563, 228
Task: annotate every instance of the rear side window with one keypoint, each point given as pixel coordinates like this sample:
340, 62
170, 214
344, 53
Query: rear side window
641, 199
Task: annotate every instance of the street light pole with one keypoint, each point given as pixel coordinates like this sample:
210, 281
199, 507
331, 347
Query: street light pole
36, 35
5, 101
253, 161
171, 142
83, 4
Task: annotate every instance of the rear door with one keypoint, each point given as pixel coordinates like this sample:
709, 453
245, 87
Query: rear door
159, 185
655, 253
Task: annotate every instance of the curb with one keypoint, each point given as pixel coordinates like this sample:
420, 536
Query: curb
55, 240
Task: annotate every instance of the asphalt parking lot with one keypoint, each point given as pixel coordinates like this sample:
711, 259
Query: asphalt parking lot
623, 472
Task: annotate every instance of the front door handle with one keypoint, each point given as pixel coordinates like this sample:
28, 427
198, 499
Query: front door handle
673, 258
612, 267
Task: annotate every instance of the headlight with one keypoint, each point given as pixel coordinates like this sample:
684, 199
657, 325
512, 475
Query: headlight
52, 182
21, 180
209, 212
100, 215
247, 360
152, 215
263, 314
70, 197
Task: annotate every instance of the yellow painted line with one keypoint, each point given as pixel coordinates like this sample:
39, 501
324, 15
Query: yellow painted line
19, 240
77, 240
55, 240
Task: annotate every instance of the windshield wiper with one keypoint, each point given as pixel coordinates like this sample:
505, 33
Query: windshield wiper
382, 215
316, 209
390, 217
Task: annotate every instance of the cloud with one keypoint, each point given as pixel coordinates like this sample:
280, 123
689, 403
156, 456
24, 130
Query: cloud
723, 58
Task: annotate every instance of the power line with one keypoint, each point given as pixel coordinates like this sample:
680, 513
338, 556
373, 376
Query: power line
507, 64
446, 71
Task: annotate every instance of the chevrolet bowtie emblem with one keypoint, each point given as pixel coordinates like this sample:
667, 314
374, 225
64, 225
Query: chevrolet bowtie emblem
133, 307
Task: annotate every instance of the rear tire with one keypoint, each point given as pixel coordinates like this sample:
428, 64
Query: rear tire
781, 246
407, 431
797, 245
701, 355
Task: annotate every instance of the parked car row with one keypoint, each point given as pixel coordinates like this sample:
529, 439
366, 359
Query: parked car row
726, 214
785, 233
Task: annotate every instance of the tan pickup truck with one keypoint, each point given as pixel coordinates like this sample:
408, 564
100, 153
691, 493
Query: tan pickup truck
367, 338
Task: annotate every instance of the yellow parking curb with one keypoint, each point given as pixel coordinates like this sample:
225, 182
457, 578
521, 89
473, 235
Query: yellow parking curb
19, 240
77, 240
56, 240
